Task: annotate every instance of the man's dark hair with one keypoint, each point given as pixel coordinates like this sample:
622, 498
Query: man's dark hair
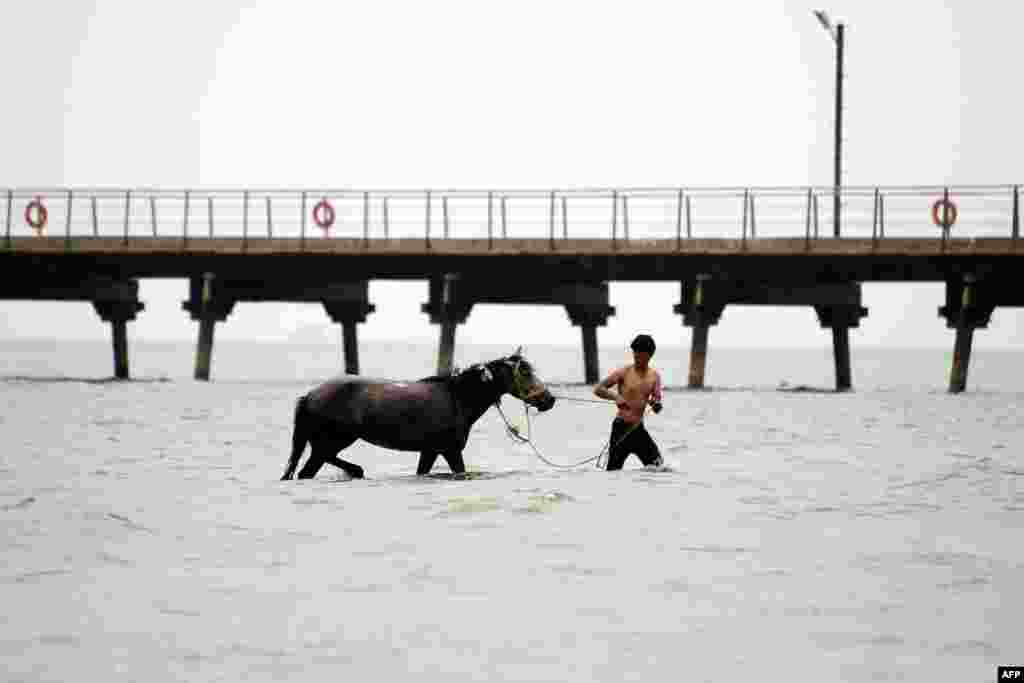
643, 342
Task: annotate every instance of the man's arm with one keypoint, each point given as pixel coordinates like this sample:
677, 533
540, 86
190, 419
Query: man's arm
655, 398
602, 389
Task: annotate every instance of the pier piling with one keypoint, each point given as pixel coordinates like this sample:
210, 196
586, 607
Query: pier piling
969, 306
446, 309
590, 312
841, 355
840, 317
118, 313
701, 306
207, 305
348, 304
698, 357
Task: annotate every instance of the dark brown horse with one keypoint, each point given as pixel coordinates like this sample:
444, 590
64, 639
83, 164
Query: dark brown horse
432, 416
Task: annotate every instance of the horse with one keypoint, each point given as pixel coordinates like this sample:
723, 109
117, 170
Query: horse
432, 416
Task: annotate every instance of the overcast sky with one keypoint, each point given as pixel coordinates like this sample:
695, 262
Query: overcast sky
510, 95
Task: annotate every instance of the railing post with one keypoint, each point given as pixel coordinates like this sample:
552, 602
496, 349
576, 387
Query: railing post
565, 217
209, 213
152, 213
366, 219
184, 221
245, 220
387, 220
127, 213
817, 215
95, 217
504, 217
490, 220
746, 198
945, 216
625, 217
807, 224
302, 234
270, 219
881, 215
615, 218
444, 213
689, 218
1016, 211
874, 219
551, 220
67, 224
679, 220
427, 230
753, 218
10, 207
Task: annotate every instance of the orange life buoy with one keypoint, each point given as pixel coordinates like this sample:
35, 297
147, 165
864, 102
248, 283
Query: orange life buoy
948, 214
323, 214
38, 222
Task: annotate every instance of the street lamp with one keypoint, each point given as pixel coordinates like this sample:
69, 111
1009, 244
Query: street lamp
837, 34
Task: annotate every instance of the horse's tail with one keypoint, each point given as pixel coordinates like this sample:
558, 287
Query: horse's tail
300, 435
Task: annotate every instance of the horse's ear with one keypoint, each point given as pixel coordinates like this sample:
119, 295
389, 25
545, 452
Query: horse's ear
519, 351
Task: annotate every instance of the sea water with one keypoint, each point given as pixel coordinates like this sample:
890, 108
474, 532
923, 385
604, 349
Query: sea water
795, 534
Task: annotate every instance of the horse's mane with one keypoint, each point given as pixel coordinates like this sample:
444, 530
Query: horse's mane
452, 376
437, 378
449, 376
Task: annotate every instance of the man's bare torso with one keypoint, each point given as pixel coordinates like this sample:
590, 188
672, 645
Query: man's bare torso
636, 388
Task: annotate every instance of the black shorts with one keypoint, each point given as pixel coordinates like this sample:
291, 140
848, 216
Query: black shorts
636, 441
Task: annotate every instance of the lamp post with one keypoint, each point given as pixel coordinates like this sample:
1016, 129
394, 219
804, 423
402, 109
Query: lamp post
837, 34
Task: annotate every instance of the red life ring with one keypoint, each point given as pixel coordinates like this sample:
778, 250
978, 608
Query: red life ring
41, 214
948, 215
323, 214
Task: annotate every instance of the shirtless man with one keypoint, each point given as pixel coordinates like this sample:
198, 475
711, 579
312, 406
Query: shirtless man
637, 386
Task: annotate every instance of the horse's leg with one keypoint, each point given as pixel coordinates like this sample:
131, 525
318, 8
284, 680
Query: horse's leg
331, 446
300, 435
351, 469
313, 464
454, 459
325, 446
427, 459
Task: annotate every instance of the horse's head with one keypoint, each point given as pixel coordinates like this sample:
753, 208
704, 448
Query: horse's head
519, 379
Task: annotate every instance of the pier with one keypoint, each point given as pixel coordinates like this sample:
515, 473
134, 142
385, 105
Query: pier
725, 247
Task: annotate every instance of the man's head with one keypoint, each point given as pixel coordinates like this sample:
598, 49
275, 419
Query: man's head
643, 348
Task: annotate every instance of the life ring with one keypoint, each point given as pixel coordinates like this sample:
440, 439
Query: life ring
38, 222
947, 217
323, 215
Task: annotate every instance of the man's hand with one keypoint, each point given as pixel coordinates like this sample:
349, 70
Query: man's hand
602, 391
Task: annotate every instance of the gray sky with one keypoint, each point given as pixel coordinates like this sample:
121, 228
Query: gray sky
488, 95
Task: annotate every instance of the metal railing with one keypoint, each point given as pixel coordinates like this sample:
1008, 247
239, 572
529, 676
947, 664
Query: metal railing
616, 214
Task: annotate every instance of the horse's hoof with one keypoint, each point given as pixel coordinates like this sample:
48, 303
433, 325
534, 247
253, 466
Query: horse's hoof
286, 478
356, 473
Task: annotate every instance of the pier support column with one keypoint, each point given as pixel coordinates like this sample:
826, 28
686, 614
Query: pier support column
118, 311
698, 357
350, 308
701, 307
588, 317
448, 309
350, 346
840, 318
205, 306
968, 307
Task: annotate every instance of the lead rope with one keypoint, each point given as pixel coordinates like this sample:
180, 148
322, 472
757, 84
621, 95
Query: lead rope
528, 440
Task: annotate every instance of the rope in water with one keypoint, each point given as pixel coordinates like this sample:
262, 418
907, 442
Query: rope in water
528, 440
562, 397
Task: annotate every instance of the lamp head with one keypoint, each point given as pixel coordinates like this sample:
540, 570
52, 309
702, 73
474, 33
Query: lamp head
825, 21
